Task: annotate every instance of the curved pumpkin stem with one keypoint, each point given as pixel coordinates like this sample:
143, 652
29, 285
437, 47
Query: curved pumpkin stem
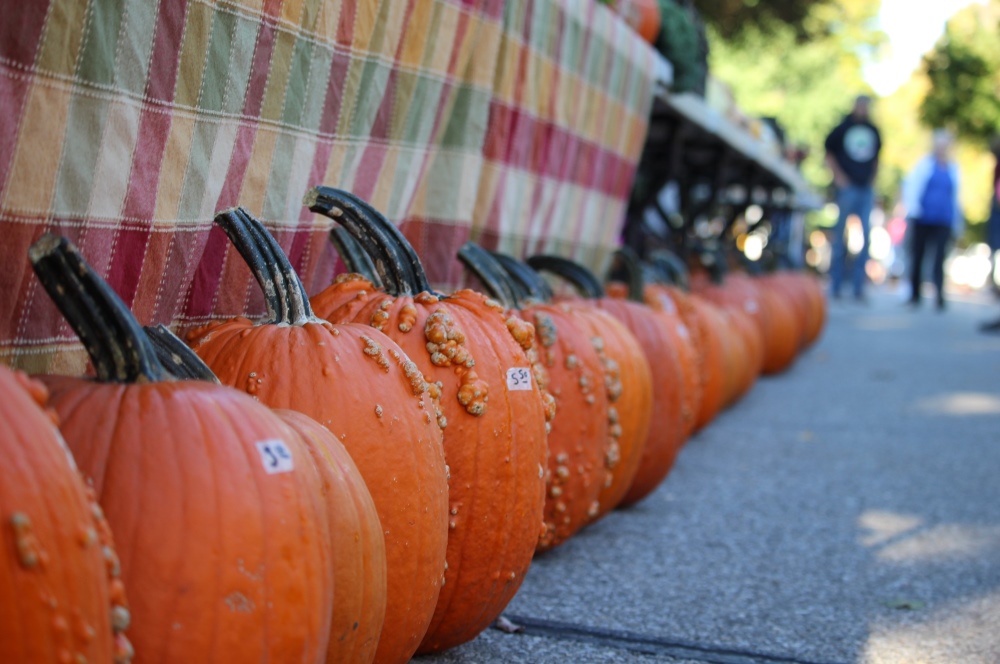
176, 356
491, 273
532, 283
630, 261
284, 295
116, 344
582, 279
395, 260
354, 255
670, 266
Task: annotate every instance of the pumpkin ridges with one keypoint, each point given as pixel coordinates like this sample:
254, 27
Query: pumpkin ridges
286, 501
407, 604
319, 383
465, 392
359, 549
358, 543
683, 344
666, 431
638, 341
464, 594
633, 408
143, 469
579, 440
41, 488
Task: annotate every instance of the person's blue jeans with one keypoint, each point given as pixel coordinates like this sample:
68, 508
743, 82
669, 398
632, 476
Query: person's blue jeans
852, 199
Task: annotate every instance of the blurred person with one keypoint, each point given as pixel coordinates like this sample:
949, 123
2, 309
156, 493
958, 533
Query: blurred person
852, 150
930, 197
993, 224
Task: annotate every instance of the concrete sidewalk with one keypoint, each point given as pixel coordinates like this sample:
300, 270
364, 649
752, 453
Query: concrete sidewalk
845, 511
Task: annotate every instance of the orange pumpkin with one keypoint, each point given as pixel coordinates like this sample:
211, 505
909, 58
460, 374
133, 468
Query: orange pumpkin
581, 445
681, 341
644, 16
782, 329
817, 301
60, 593
359, 562
210, 492
359, 567
709, 344
738, 295
654, 419
495, 436
362, 386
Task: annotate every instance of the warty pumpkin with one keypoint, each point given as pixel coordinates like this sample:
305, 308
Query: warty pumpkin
61, 596
681, 338
582, 443
361, 386
495, 436
224, 541
649, 409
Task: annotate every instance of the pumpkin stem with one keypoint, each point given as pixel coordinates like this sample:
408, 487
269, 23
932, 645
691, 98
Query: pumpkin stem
284, 294
176, 356
491, 273
671, 266
629, 260
531, 283
395, 260
354, 256
117, 347
583, 280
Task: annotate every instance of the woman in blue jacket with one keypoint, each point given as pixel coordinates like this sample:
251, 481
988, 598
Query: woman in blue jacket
930, 196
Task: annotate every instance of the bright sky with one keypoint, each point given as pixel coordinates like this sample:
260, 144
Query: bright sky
913, 28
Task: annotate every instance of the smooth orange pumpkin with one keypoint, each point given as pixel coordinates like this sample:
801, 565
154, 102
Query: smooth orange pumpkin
494, 441
358, 560
223, 534
359, 384
782, 330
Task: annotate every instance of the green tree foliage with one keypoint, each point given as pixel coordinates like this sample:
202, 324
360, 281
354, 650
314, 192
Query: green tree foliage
808, 86
964, 74
732, 19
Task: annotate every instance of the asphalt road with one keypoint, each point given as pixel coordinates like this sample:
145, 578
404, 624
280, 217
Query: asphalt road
845, 511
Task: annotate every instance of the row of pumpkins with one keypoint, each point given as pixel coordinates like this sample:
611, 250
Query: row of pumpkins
390, 460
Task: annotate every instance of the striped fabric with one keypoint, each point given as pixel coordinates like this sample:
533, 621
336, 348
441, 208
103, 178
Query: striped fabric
568, 119
126, 124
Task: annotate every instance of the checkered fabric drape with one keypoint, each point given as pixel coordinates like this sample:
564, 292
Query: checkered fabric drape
126, 124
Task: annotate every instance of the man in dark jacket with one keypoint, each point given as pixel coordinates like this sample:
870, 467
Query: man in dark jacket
852, 155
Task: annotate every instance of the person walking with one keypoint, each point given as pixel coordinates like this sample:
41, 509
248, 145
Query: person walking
993, 226
930, 197
852, 150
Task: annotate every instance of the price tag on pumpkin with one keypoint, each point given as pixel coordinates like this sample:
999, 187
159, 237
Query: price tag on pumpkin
275, 456
518, 378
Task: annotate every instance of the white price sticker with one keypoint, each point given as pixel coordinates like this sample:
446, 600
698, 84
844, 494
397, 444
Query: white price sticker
518, 378
275, 456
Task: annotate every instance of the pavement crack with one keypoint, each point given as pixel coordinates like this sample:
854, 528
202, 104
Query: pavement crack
648, 644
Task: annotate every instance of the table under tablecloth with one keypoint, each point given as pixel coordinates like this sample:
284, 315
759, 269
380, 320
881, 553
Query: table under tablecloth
125, 125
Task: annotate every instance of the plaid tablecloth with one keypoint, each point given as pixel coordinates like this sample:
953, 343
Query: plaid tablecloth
568, 119
126, 124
